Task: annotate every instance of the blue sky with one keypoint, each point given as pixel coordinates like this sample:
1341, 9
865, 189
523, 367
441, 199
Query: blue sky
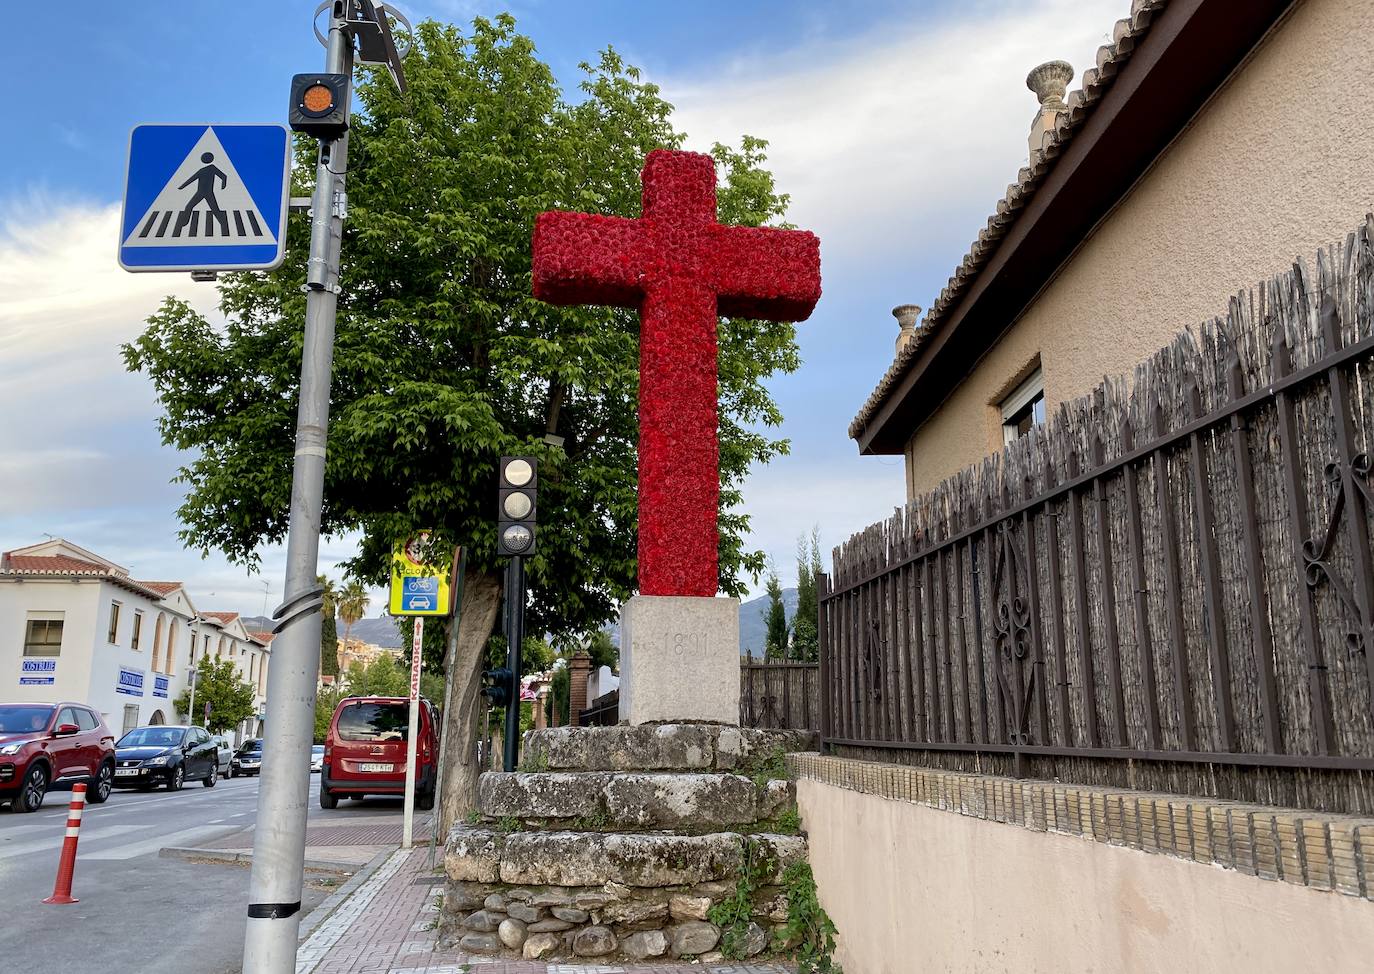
894, 126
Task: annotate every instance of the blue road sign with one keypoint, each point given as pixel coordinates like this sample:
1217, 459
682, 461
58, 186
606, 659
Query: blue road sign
205, 197
420, 593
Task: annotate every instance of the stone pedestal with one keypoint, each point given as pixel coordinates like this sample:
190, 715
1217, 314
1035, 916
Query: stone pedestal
619, 841
679, 659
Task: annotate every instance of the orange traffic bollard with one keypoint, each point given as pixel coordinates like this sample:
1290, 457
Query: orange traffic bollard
62, 889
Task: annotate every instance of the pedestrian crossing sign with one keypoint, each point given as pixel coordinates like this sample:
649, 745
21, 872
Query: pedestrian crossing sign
205, 197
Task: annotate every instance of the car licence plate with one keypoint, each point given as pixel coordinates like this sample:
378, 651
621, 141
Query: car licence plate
125, 772
374, 767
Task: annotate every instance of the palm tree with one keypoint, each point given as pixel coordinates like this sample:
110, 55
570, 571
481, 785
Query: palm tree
352, 606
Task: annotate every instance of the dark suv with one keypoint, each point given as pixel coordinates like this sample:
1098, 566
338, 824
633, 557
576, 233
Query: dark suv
45, 743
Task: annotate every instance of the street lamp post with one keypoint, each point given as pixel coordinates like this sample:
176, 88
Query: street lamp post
274, 894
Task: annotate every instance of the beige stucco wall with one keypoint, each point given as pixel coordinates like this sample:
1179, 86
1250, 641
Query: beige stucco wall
915, 889
1280, 163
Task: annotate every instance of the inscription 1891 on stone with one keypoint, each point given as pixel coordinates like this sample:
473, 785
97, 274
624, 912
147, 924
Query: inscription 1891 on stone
679, 659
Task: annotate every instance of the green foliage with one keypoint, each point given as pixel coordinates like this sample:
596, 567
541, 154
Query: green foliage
735, 913
218, 683
775, 640
602, 651
806, 623
808, 927
766, 767
326, 702
432, 687
443, 359
385, 676
509, 824
329, 633
352, 605
591, 823
559, 697
789, 822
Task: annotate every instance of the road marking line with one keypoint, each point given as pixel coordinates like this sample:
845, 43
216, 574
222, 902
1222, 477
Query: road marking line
132, 850
54, 842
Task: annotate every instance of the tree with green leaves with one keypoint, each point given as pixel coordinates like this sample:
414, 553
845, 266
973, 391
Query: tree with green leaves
444, 361
329, 632
385, 676
806, 623
326, 702
352, 606
775, 637
218, 683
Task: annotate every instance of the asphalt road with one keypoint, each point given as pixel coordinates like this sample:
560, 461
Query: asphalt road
138, 913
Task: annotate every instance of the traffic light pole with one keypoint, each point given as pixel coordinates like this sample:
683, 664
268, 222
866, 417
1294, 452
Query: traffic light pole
515, 635
274, 899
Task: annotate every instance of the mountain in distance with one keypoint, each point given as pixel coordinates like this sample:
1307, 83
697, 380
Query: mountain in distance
753, 621
378, 630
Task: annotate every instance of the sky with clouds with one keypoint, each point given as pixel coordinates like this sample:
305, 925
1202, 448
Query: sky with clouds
895, 127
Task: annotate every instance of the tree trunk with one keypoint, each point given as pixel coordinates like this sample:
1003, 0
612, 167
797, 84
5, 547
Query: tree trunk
481, 604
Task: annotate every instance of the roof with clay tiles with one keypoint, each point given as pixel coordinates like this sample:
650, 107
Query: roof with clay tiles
166, 588
65, 566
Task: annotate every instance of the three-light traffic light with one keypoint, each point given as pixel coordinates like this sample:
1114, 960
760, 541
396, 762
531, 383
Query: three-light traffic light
515, 518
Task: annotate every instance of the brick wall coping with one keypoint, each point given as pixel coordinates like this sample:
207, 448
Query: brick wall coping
1320, 850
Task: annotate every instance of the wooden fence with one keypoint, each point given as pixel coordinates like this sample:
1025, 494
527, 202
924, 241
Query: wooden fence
1167, 586
777, 694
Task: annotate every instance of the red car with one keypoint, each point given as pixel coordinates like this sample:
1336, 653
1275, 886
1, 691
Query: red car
365, 751
45, 743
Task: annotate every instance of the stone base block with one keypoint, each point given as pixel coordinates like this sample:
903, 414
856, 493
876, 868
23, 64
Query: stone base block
607, 801
679, 659
651, 859
658, 747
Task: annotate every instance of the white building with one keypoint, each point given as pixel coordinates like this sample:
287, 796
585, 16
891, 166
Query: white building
76, 626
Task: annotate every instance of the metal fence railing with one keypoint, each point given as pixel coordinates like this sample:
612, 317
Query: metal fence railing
1178, 575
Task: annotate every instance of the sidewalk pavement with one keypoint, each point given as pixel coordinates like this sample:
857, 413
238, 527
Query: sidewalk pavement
385, 920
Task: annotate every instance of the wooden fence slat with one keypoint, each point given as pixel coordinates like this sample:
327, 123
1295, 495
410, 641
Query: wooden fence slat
1214, 621
1080, 582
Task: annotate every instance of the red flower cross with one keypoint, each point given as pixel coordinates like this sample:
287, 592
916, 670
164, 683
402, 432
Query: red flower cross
681, 269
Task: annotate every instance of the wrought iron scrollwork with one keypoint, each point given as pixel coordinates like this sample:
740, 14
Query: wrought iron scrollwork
1316, 551
1012, 636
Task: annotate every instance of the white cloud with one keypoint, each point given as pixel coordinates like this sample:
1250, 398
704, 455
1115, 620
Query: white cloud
906, 136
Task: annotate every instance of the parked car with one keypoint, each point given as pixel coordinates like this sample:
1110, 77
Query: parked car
248, 758
226, 754
365, 750
45, 743
166, 754
316, 758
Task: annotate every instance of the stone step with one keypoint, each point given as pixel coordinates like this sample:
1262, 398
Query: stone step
658, 747
608, 800
637, 859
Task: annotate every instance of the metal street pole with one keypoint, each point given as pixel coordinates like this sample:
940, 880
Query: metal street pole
515, 634
274, 899
412, 733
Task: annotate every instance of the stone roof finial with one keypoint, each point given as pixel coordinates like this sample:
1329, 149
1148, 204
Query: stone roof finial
1050, 82
906, 315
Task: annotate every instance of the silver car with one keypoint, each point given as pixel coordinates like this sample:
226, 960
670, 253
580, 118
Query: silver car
316, 758
226, 753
